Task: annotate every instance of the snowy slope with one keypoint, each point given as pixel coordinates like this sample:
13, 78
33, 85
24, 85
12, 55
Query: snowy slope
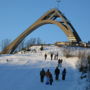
21, 71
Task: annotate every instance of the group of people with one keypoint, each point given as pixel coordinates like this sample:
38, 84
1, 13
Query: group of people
53, 56
60, 62
49, 77
48, 74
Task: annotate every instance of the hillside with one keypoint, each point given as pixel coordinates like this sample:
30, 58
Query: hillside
21, 71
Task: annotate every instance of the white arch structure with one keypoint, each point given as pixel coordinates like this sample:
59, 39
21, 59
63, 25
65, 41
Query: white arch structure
48, 18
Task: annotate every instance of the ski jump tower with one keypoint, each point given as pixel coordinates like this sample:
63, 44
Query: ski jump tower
53, 16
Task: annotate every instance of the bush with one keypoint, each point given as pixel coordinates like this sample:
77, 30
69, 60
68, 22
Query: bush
41, 48
67, 53
83, 69
81, 54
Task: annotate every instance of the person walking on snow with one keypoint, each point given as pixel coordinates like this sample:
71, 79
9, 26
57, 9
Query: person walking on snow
51, 79
51, 56
42, 75
45, 56
57, 72
48, 73
64, 74
60, 62
57, 56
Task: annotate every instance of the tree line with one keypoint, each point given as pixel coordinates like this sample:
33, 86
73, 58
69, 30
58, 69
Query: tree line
24, 44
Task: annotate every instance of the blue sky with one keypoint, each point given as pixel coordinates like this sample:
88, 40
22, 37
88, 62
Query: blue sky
17, 15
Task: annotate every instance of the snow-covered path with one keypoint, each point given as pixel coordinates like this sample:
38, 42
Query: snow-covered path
21, 72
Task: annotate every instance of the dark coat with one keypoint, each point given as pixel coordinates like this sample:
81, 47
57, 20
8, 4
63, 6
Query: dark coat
42, 73
57, 71
64, 72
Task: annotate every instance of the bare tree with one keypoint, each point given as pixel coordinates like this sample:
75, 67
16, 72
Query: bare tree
5, 43
33, 41
39, 41
30, 42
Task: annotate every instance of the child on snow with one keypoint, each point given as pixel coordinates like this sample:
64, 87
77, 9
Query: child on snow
49, 78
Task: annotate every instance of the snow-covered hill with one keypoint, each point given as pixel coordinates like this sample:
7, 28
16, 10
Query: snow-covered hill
22, 71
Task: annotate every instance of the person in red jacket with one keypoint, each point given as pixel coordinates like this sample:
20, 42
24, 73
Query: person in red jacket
48, 77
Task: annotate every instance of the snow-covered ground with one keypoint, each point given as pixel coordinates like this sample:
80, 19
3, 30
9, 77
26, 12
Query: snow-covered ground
22, 71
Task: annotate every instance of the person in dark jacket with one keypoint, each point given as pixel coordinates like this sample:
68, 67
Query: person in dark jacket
64, 74
42, 75
57, 56
51, 56
57, 72
45, 56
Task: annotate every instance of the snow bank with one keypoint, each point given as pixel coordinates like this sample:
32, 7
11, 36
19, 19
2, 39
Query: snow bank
21, 71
